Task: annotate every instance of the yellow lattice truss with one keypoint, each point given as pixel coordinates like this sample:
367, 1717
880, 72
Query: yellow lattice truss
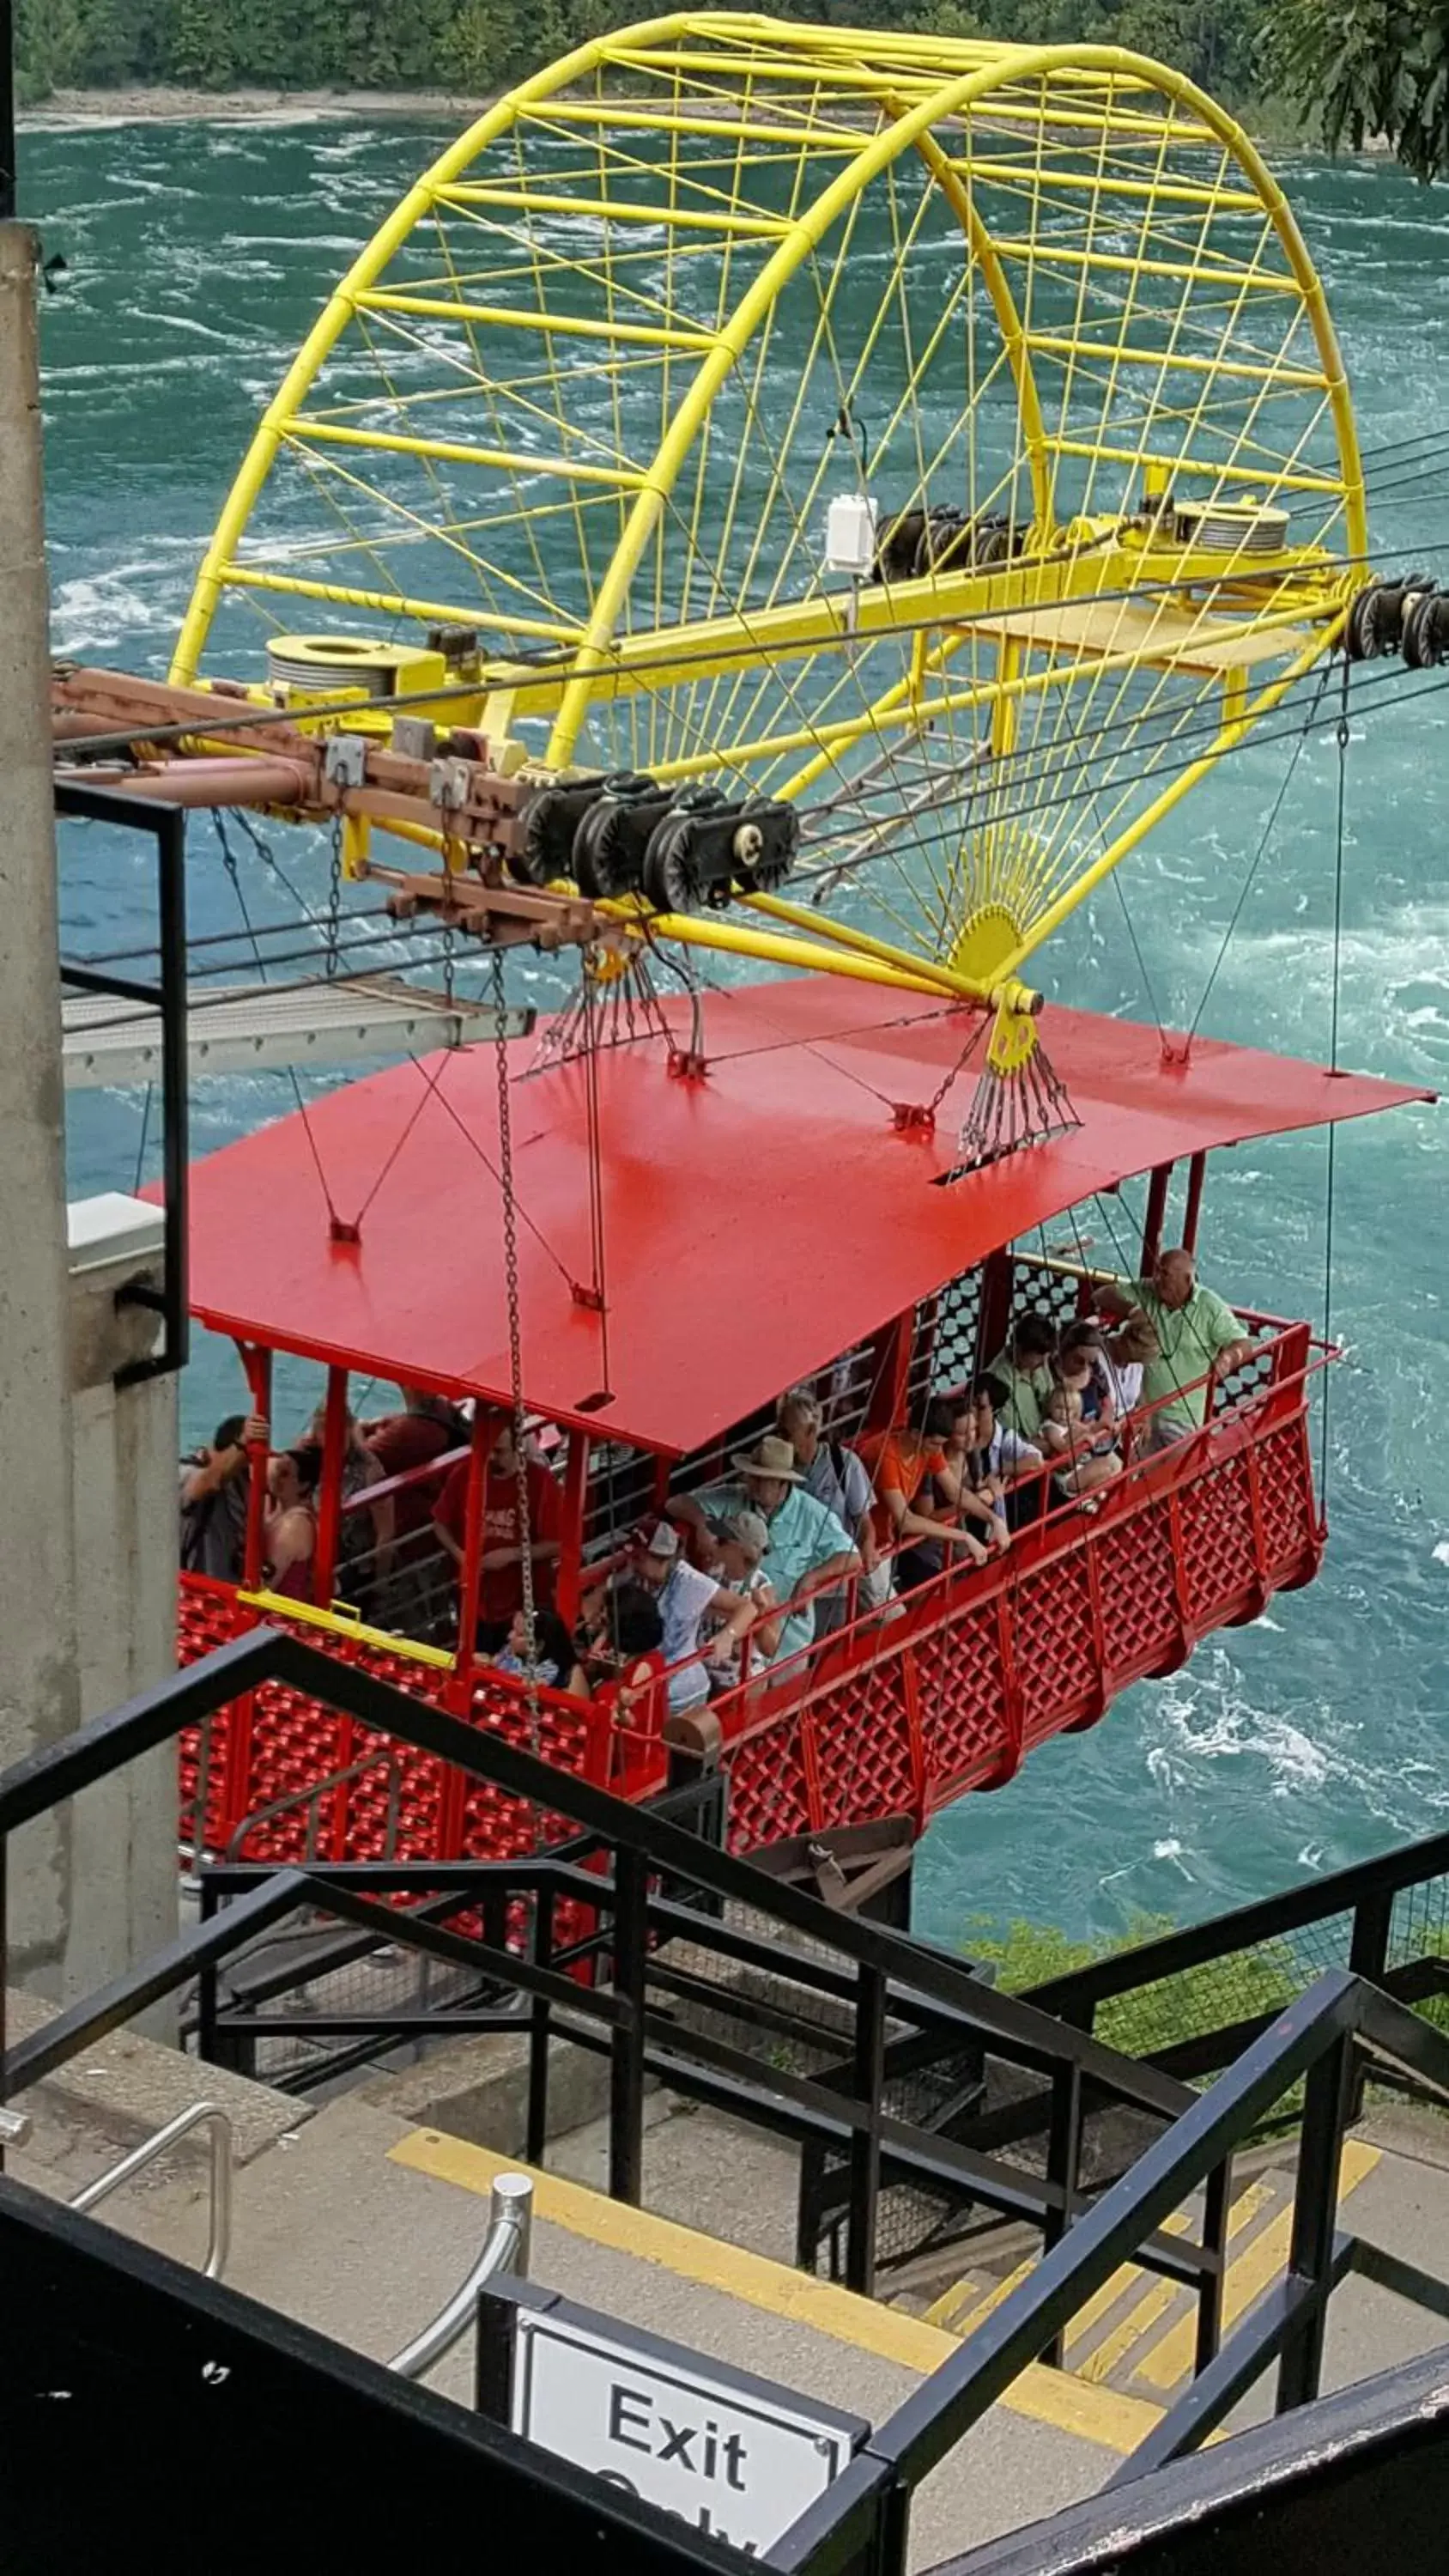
594, 386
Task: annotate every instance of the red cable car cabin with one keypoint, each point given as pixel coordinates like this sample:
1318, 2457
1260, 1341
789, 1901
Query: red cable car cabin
690, 1243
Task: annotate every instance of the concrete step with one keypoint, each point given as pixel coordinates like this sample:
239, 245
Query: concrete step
1138, 2332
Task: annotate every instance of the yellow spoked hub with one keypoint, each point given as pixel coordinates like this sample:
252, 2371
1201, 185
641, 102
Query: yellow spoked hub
948, 439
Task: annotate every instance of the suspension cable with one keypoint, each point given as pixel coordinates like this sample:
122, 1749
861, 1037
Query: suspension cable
515, 1364
229, 863
1343, 742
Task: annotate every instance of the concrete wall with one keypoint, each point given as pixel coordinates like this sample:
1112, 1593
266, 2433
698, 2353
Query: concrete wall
39, 1682
88, 1489
123, 1872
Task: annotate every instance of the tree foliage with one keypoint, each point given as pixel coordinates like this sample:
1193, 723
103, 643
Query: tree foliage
477, 46
1362, 68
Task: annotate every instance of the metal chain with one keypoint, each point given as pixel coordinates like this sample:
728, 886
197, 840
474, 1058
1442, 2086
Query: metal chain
515, 1351
334, 901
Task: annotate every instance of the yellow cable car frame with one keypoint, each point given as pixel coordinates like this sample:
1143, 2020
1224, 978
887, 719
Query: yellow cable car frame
598, 371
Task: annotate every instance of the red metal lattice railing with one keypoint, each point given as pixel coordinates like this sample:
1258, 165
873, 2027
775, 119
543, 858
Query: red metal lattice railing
900, 1714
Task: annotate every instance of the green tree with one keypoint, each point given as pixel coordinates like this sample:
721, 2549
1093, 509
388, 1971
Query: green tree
483, 45
1361, 68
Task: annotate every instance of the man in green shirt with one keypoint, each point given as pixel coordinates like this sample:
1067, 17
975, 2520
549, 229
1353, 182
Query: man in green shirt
1024, 1367
1198, 1337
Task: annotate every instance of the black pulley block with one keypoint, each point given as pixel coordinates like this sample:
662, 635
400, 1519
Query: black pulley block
549, 820
611, 838
702, 854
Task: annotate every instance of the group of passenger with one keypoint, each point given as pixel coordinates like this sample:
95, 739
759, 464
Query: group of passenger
382, 1546
804, 1532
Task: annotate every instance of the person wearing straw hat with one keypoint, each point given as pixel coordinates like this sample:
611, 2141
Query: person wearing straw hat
808, 1549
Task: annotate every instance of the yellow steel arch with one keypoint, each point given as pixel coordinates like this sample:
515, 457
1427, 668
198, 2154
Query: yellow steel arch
586, 415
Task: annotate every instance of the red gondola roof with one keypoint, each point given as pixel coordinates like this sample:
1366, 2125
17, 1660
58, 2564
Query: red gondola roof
756, 1223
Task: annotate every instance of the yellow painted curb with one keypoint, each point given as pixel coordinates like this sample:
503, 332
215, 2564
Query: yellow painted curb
1098, 2415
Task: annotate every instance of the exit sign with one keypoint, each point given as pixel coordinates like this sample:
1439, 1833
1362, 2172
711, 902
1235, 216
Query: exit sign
734, 2456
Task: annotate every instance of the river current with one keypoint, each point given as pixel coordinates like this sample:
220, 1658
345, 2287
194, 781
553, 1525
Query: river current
196, 257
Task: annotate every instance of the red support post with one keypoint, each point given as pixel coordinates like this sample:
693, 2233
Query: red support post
329, 1499
485, 1432
571, 1553
1152, 1222
891, 1372
258, 1365
996, 1288
1196, 1172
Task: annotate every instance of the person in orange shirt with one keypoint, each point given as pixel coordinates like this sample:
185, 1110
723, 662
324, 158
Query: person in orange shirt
898, 1463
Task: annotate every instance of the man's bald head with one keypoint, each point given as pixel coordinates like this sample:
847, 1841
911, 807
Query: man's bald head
1176, 1277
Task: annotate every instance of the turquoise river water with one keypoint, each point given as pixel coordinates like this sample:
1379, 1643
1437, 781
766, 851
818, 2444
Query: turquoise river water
197, 255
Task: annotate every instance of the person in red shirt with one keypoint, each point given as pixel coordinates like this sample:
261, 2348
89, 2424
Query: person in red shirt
500, 1592
402, 1443
898, 1463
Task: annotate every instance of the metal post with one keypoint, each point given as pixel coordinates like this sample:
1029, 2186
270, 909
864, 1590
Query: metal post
505, 2249
329, 1501
540, 2020
1217, 2193
626, 2052
494, 2337
171, 1301
258, 1365
1315, 2217
484, 1434
206, 1980
1064, 2157
575, 1504
1368, 1957
1153, 1220
869, 2077
1196, 1171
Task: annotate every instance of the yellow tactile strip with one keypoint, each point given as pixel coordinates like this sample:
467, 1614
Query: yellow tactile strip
1116, 2422
1132, 2347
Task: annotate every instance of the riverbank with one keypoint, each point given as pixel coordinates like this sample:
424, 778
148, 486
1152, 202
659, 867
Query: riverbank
80, 109
132, 106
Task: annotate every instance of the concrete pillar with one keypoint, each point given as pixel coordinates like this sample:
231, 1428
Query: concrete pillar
39, 1680
87, 1472
123, 1867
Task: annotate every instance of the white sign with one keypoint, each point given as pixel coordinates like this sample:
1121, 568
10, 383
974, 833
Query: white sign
726, 2452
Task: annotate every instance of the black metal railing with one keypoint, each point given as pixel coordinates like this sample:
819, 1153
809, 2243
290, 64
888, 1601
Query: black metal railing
627, 1934
167, 997
1324, 2040
1322, 2491
1193, 2000
635, 1937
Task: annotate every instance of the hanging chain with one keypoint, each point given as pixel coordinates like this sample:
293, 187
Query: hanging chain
973, 1040
334, 901
515, 1352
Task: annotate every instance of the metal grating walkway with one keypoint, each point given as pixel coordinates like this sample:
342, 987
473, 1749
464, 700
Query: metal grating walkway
253, 1028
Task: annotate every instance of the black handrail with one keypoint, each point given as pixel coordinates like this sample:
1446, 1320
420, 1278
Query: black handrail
1318, 2037
1352, 1890
1357, 2481
1323, 2039
264, 1655
625, 1910
168, 998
